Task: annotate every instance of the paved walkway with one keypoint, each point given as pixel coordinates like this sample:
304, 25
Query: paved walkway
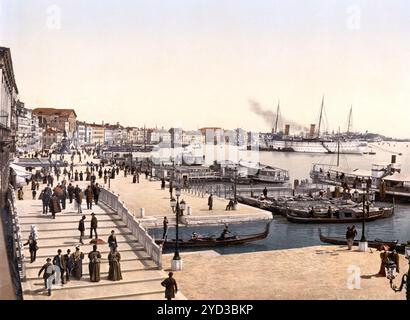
318, 273
141, 277
156, 202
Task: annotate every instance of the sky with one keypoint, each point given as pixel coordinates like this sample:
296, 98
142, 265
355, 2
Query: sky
200, 63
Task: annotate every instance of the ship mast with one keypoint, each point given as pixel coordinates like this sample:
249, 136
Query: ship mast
321, 114
275, 128
338, 148
349, 124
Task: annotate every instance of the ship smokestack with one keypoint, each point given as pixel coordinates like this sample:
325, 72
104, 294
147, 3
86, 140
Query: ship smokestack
312, 130
287, 129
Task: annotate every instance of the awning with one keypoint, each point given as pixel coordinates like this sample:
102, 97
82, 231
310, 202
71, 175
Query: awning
398, 177
362, 173
20, 171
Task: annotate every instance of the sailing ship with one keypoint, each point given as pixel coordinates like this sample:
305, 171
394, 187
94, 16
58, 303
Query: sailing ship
314, 142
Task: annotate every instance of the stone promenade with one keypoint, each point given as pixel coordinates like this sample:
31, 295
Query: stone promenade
141, 277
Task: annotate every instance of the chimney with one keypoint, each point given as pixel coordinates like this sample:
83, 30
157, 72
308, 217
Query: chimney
287, 129
312, 130
393, 158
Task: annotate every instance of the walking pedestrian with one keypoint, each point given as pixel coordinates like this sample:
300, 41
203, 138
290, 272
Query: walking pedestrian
79, 200
20, 194
94, 264
165, 223
93, 226
210, 201
78, 257
114, 272
112, 240
89, 195
48, 275
96, 191
350, 235
81, 228
33, 193
55, 205
32, 247
68, 264
59, 268
170, 285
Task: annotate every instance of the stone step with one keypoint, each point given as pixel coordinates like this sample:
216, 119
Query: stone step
136, 283
137, 251
55, 226
74, 233
63, 219
56, 244
39, 262
130, 267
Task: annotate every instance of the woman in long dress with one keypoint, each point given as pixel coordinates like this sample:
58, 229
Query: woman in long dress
78, 257
114, 272
94, 264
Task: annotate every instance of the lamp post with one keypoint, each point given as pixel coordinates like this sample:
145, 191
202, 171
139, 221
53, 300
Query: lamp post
363, 244
177, 207
391, 275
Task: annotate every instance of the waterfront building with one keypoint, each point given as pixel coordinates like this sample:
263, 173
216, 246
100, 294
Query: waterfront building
115, 134
29, 134
51, 137
84, 133
8, 100
192, 137
97, 133
176, 137
61, 119
212, 135
159, 135
135, 135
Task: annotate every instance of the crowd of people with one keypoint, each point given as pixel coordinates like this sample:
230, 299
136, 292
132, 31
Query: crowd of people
63, 267
62, 190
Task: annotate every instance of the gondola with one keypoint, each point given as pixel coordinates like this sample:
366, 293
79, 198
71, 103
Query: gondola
345, 215
215, 241
392, 244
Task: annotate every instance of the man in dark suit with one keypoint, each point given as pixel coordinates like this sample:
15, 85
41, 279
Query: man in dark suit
81, 228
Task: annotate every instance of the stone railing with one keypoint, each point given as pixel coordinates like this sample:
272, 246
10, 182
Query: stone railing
18, 248
113, 201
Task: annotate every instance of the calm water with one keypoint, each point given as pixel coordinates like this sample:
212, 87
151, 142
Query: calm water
284, 235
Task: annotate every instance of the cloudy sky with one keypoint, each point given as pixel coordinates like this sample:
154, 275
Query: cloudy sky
199, 63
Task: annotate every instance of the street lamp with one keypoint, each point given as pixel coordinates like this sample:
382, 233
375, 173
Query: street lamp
391, 274
176, 263
363, 245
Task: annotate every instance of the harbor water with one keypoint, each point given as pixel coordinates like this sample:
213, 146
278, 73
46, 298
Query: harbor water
285, 235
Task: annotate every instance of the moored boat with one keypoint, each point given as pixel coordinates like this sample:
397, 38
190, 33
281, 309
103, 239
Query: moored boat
343, 215
392, 244
213, 241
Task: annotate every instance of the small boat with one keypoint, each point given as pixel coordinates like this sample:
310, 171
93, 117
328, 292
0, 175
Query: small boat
371, 243
215, 241
343, 215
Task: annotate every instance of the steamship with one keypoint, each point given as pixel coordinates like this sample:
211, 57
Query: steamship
314, 142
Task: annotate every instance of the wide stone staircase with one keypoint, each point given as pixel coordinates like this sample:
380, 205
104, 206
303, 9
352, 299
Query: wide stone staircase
141, 276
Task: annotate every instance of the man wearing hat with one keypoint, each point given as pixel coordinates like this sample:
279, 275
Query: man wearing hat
170, 286
81, 228
48, 277
68, 264
94, 224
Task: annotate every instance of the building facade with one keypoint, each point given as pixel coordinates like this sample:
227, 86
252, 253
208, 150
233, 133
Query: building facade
52, 136
97, 133
29, 134
8, 123
61, 119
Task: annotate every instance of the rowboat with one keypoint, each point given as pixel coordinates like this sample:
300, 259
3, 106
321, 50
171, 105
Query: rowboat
215, 241
343, 215
371, 243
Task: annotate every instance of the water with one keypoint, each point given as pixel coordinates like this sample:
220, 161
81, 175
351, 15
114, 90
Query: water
285, 235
